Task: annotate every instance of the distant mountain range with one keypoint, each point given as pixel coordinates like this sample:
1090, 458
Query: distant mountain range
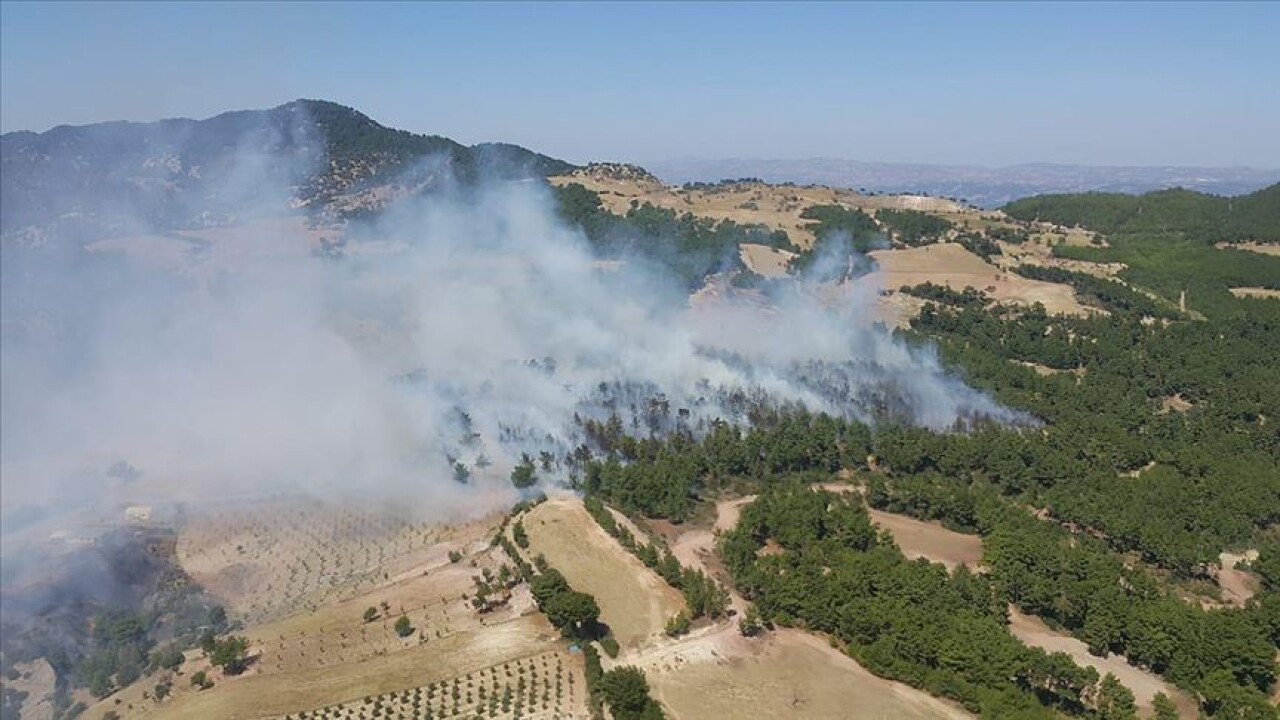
183, 173
986, 187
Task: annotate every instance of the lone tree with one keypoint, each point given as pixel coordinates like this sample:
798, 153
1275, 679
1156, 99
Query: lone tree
403, 627
201, 680
370, 614
576, 612
523, 474
627, 692
230, 654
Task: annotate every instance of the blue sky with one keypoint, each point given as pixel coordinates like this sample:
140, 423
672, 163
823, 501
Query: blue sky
992, 84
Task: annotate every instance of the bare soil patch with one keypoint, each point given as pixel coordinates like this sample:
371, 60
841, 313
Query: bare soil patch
39, 681
270, 694
1255, 292
1144, 685
1237, 585
955, 267
1260, 248
728, 511
271, 559
764, 260
785, 674
634, 602
931, 541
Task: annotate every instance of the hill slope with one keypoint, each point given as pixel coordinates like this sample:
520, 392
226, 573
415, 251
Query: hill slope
1214, 218
182, 173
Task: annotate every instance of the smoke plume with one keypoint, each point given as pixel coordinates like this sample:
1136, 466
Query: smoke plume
456, 332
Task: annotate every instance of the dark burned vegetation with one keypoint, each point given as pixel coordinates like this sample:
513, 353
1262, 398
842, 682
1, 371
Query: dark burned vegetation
106, 614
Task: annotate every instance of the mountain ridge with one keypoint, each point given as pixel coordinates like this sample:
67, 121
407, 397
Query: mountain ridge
180, 172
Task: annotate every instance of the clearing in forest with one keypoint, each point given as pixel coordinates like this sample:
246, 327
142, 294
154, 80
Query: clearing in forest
1144, 685
952, 265
1255, 292
634, 602
929, 540
1260, 248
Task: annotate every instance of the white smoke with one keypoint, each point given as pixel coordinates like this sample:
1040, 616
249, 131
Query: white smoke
461, 329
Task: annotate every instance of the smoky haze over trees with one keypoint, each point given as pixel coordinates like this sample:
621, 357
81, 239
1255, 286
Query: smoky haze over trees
460, 328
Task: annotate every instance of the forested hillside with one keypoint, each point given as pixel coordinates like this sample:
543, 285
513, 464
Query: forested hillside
1207, 218
687, 247
1159, 451
176, 173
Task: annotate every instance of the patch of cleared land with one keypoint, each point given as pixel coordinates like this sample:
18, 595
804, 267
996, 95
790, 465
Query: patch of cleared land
1175, 403
634, 602
1260, 248
785, 674
951, 265
1255, 292
929, 540
1144, 685
1237, 585
319, 651
39, 681
542, 687
1046, 371
764, 260
266, 561
270, 694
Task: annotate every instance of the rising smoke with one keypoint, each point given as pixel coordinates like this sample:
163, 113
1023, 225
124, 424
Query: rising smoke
461, 330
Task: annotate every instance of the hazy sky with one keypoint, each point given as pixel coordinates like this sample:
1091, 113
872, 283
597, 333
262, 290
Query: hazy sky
999, 83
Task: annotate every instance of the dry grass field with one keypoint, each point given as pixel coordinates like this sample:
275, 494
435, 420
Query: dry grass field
1260, 248
542, 687
931, 541
1255, 292
951, 265
780, 207
310, 647
1144, 685
786, 674
272, 559
275, 694
634, 602
766, 261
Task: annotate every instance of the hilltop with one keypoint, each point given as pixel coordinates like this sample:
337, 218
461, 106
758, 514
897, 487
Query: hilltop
186, 173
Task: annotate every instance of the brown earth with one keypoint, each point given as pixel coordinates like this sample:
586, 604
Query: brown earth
787, 673
931, 541
268, 694
1260, 248
1255, 292
764, 260
39, 681
951, 265
1237, 585
1144, 685
634, 602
